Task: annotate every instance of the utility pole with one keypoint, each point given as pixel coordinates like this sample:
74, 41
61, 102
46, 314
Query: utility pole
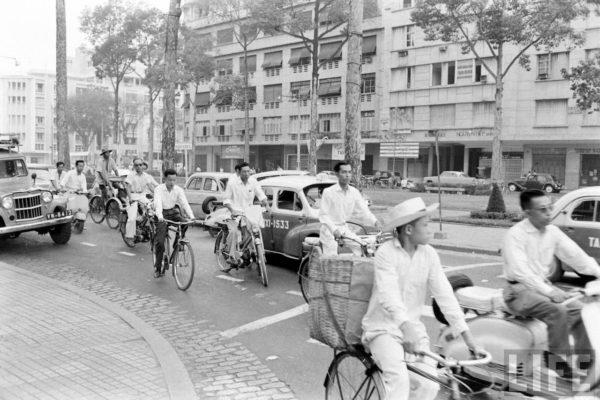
169, 126
61, 84
352, 143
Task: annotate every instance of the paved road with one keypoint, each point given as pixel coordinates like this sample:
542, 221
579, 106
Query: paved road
265, 328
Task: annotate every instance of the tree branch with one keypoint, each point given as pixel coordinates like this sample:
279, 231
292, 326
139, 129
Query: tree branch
523, 50
471, 45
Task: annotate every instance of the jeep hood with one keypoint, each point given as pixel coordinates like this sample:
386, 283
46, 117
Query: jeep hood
16, 184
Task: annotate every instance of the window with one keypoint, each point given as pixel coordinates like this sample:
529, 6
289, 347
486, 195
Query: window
39, 137
273, 60
39, 88
410, 35
483, 114
300, 90
585, 211
403, 37
451, 69
288, 200
39, 120
210, 185
406, 3
543, 66
369, 46
272, 93
225, 67
299, 56
401, 118
39, 146
224, 127
436, 74
272, 125
225, 36
558, 61
551, 112
367, 84
330, 87
251, 64
202, 128
478, 68
330, 51
329, 122
442, 116
300, 126
443, 73
12, 168
195, 184
367, 121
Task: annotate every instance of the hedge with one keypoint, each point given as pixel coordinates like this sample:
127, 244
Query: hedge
477, 190
515, 217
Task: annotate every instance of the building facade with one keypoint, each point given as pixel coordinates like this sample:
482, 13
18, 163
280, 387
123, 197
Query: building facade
412, 91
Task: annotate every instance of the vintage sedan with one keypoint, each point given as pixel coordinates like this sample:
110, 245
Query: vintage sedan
203, 189
452, 178
281, 172
545, 182
578, 215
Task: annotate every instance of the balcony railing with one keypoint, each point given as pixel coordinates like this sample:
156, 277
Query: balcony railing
272, 138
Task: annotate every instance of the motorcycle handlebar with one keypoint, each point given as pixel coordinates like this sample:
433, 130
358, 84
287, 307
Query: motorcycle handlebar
456, 363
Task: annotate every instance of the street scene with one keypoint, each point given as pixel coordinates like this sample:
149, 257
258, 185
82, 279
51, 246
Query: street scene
277, 199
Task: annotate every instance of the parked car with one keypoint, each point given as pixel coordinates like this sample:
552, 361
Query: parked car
282, 172
452, 178
203, 189
578, 215
546, 182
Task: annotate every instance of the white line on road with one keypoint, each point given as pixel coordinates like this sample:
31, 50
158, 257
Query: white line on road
294, 293
125, 253
266, 321
229, 278
88, 244
470, 266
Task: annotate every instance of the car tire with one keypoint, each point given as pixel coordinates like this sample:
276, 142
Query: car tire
512, 187
556, 271
548, 189
207, 205
61, 233
458, 281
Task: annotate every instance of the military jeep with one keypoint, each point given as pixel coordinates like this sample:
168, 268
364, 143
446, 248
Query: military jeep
25, 207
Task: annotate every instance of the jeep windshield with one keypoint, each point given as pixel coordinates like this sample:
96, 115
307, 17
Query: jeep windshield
12, 168
314, 193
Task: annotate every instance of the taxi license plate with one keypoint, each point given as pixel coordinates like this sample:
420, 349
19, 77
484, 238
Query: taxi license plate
59, 214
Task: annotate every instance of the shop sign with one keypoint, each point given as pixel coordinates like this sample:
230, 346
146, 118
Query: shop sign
183, 146
593, 150
232, 152
505, 155
338, 153
549, 150
475, 133
464, 70
399, 150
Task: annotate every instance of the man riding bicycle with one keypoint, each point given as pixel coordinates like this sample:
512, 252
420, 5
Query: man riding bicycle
105, 165
339, 203
166, 197
74, 180
239, 195
137, 185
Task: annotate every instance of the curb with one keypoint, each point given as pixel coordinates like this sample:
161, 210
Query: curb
461, 249
179, 384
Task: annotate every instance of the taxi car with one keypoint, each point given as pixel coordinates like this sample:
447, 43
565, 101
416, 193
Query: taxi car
282, 172
203, 189
545, 182
577, 213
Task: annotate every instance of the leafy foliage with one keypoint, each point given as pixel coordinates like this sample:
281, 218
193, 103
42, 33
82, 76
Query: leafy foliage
88, 113
197, 63
496, 202
585, 83
232, 87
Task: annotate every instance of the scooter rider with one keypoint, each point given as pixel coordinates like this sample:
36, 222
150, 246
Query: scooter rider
529, 249
406, 269
105, 165
74, 180
57, 175
339, 203
138, 184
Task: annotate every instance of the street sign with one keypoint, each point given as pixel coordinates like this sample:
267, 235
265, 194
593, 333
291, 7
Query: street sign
183, 146
337, 152
399, 150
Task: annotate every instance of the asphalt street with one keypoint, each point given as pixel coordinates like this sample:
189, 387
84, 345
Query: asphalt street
270, 322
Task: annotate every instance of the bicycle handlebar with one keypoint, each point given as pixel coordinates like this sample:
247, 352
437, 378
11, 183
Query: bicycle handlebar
180, 222
457, 363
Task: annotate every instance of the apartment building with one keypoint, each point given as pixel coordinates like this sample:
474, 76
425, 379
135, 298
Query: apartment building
412, 91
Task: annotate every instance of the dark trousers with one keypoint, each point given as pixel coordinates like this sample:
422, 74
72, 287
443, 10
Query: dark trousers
104, 191
161, 232
560, 320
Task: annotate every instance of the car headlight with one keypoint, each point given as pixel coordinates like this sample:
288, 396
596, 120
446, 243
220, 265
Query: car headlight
47, 197
7, 202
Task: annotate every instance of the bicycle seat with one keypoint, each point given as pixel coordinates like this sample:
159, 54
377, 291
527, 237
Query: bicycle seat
481, 299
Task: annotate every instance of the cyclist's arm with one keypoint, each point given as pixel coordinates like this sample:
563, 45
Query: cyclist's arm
262, 197
324, 218
158, 206
184, 202
228, 196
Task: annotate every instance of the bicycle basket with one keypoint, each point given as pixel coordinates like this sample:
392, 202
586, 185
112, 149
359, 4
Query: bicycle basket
339, 292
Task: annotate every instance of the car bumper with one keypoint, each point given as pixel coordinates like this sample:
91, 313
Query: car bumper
34, 226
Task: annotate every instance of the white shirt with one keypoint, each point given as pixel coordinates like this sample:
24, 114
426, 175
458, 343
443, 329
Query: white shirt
400, 291
141, 183
339, 206
241, 195
528, 254
56, 178
74, 181
165, 200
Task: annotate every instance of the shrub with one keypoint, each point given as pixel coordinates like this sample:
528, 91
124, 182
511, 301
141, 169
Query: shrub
419, 188
481, 189
496, 202
515, 217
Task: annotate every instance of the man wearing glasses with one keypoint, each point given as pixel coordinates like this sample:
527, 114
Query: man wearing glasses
137, 184
529, 250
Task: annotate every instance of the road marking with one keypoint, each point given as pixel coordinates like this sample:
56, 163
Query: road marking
125, 253
229, 278
88, 244
294, 293
266, 321
313, 341
471, 266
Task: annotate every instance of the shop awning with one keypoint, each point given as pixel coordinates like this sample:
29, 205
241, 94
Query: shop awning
369, 45
202, 99
299, 55
239, 124
330, 88
330, 51
273, 60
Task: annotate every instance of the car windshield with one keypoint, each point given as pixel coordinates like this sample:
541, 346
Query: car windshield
314, 193
12, 168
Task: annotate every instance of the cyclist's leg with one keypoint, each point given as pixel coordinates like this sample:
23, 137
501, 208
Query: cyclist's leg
159, 245
131, 220
103, 192
233, 237
355, 247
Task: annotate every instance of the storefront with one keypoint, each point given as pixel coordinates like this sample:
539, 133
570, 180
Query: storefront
549, 160
512, 163
589, 166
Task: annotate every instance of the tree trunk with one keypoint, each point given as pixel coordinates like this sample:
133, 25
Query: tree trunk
192, 123
246, 111
352, 143
116, 136
497, 170
168, 142
314, 94
151, 131
61, 85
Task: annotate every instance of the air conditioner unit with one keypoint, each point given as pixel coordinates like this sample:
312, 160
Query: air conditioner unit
443, 49
368, 60
403, 53
483, 79
543, 76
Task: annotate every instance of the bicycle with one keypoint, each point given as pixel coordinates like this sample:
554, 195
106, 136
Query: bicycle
179, 255
143, 229
251, 247
111, 208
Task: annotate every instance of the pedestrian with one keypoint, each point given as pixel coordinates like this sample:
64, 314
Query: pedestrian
105, 166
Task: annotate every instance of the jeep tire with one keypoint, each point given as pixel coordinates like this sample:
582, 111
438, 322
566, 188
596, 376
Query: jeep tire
61, 233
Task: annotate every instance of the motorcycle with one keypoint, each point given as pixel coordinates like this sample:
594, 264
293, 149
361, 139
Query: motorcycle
144, 230
77, 202
516, 345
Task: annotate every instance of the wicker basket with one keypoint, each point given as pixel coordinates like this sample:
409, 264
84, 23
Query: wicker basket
339, 292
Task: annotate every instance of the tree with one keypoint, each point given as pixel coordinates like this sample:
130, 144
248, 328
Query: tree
61, 84
494, 29
238, 13
112, 30
585, 83
87, 114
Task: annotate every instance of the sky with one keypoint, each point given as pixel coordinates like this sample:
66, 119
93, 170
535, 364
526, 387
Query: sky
28, 30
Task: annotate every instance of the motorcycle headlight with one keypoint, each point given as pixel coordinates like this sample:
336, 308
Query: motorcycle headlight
47, 197
7, 202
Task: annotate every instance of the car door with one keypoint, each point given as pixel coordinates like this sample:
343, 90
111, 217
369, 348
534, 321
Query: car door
288, 215
531, 182
583, 225
194, 194
267, 230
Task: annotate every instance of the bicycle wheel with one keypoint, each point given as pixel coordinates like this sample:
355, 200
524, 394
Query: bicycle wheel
183, 265
262, 264
220, 253
303, 278
353, 377
97, 209
123, 230
113, 209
